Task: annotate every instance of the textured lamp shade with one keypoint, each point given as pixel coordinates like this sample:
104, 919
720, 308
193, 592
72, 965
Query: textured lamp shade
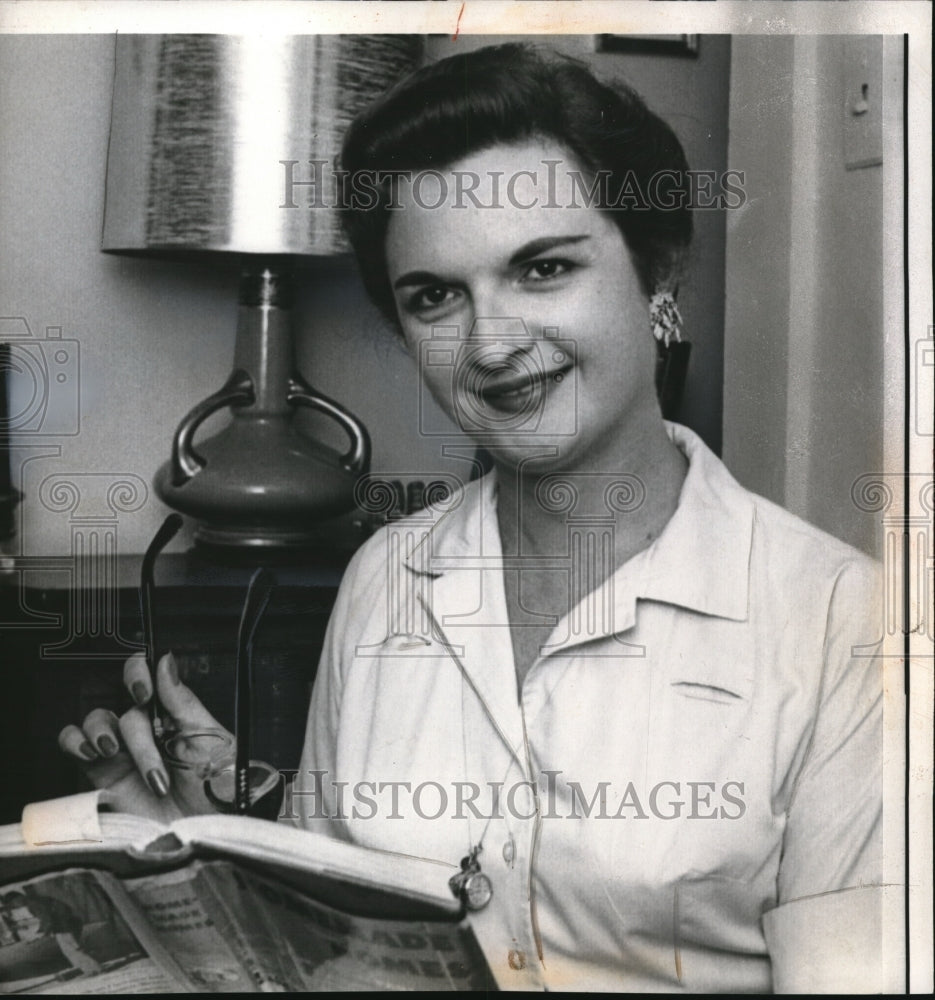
214, 142
201, 125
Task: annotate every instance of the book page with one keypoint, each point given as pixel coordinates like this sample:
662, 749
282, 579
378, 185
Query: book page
66, 933
320, 864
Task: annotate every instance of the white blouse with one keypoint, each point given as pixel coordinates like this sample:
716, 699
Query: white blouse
691, 778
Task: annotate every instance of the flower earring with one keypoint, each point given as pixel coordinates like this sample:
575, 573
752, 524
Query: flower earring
671, 352
665, 319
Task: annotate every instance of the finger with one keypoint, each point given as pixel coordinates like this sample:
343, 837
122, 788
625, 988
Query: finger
72, 740
102, 729
137, 732
136, 678
179, 700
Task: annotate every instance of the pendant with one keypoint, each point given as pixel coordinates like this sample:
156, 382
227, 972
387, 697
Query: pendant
470, 884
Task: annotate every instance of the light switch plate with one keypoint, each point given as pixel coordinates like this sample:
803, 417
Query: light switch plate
863, 101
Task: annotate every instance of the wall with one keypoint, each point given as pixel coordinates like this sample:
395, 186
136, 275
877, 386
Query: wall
155, 338
805, 408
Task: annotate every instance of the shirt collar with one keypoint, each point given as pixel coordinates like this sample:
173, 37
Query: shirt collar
699, 561
460, 531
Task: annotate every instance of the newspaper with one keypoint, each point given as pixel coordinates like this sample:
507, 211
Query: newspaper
76, 932
214, 927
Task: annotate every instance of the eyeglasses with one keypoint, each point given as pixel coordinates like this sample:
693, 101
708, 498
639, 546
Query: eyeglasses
232, 782
169, 529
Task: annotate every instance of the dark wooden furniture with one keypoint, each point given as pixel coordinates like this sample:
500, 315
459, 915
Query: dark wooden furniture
63, 642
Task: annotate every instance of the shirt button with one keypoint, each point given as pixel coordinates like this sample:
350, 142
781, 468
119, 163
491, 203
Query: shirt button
509, 851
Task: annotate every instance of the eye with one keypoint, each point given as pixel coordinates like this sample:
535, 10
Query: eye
429, 298
546, 269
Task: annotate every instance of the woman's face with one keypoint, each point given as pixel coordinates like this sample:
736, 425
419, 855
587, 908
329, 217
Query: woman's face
529, 324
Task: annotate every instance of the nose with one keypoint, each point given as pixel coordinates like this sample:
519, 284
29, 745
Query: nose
498, 310
495, 340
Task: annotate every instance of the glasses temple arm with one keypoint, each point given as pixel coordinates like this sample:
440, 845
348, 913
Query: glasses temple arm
258, 594
161, 539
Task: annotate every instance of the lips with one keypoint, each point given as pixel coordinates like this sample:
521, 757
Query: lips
511, 391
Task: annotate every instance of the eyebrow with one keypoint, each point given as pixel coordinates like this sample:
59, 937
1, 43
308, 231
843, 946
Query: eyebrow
534, 247
528, 250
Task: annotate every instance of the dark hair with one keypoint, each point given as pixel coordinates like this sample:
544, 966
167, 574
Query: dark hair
507, 94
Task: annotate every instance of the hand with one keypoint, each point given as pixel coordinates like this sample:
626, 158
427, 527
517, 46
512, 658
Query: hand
121, 755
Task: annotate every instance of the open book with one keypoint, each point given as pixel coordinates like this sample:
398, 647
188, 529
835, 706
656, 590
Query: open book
111, 903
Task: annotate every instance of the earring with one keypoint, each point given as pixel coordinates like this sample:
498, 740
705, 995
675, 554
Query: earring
665, 319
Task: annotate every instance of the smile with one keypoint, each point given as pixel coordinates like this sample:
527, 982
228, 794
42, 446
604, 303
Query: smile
510, 391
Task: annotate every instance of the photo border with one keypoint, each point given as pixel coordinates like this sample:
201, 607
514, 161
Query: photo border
912, 20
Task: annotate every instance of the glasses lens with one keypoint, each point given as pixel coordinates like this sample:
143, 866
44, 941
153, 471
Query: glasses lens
205, 751
210, 755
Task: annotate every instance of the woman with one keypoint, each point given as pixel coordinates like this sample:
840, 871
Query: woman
605, 673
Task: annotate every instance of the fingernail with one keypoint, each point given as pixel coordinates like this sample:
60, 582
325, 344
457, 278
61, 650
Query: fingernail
106, 745
140, 692
86, 750
158, 782
173, 668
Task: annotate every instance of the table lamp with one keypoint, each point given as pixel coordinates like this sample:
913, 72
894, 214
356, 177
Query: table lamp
207, 134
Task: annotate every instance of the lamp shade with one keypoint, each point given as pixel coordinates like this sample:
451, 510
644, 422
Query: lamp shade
225, 143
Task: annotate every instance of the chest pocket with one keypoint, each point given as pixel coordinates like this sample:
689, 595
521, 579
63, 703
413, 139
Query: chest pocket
706, 691
724, 677
701, 711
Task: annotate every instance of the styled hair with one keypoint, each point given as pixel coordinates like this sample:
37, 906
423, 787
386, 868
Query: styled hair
506, 94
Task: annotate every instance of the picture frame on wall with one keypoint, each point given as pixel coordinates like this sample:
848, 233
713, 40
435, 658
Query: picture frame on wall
675, 45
